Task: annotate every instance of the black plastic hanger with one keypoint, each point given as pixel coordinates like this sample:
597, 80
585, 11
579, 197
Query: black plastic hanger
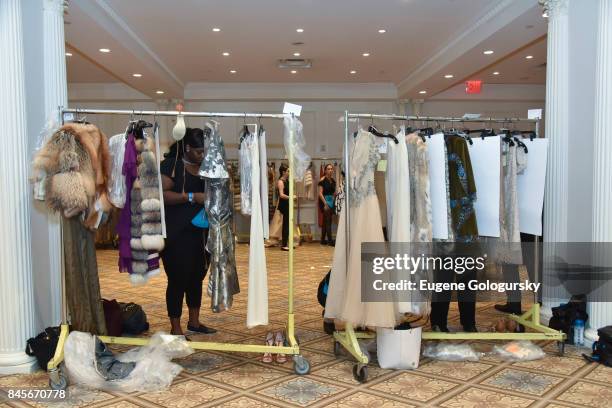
375, 132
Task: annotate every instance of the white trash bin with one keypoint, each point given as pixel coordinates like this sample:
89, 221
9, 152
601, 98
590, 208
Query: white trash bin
399, 349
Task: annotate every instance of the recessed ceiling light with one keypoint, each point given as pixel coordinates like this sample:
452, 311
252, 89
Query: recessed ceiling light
232, 71
353, 72
216, 29
159, 92
299, 30
226, 54
422, 92
136, 75
382, 31
104, 50
529, 57
296, 54
496, 73
293, 71
449, 76
366, 54
488, 52
69, 54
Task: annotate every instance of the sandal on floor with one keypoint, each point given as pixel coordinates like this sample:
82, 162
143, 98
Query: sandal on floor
279, 342
267, 357
285, 248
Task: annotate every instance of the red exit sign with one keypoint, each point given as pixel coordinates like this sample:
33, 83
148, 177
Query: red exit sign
473, 87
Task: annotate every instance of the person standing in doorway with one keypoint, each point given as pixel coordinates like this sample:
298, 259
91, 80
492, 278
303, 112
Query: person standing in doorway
327, 188
184, 256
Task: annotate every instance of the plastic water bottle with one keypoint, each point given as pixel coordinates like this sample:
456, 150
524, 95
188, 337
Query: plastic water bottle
579, 332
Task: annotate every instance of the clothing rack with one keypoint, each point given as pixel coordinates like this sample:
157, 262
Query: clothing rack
531, 319
301, 365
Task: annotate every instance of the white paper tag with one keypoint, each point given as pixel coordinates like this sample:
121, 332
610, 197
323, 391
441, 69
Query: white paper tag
292, 108
471, 116
534, 114
68, 117
383, 147
381, 166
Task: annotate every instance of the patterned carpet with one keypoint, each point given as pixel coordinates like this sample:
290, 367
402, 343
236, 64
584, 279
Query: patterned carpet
215, 379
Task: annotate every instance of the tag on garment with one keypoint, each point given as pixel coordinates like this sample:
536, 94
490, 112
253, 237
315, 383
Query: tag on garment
534, 114
382, 165
383, 146
290, 108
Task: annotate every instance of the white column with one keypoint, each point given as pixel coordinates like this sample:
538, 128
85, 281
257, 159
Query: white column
16, 294
557, 131
56, 95
600, 313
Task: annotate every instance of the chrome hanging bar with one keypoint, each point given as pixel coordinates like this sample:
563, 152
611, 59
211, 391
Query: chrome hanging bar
86, 111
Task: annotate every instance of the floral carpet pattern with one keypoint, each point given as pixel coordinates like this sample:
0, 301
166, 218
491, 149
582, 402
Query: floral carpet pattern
242, 380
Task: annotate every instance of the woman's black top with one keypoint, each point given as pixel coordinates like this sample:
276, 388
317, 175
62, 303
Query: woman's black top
329, 188
179, 216
283, 203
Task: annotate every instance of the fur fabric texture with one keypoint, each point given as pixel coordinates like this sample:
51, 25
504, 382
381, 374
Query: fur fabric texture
150, 193
136, 244
150, 228
141, 255
137, 279
150, 205
153, 242
76, 148
153, 216
140, 267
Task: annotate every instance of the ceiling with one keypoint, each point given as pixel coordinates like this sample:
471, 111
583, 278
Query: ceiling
173, 43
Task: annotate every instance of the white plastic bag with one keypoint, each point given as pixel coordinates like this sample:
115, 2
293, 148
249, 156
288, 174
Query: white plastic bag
451, 352
294, 142
398, 349
521, 350
154, 369
116, 186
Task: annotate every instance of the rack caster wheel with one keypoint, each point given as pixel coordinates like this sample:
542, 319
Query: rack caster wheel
337, 349
57, 380
301, 366
561, 348
360, 373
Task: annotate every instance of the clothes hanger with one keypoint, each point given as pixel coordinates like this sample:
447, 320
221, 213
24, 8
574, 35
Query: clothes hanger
372, 129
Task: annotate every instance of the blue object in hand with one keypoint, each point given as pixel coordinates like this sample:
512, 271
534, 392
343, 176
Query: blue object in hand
200, 220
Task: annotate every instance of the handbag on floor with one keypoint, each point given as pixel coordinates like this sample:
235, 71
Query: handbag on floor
43, 346
133, 318
602, 348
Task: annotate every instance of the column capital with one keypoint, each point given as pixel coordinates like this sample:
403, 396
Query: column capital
555, 7
55, 5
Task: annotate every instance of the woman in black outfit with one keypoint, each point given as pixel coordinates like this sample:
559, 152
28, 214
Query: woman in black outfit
283, 202
327, 189
184, 256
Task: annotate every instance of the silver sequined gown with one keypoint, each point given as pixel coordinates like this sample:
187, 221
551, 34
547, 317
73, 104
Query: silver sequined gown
223, 277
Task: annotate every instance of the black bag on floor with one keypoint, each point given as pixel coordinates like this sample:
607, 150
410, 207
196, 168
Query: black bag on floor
43, 346
133, 318
563, 316
602, 348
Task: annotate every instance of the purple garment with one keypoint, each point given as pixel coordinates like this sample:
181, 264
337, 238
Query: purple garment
130, 171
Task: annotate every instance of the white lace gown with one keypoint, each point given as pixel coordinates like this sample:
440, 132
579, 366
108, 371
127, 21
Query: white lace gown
344, 294
257, 303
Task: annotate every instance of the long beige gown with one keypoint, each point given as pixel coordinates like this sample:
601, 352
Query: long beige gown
344, 295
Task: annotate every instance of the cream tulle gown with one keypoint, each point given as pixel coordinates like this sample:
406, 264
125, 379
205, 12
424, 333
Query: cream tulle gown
344, 294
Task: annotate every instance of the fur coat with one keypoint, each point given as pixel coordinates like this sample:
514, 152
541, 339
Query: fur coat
76, 164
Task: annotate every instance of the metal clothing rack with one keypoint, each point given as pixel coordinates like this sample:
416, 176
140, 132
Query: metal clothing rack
348, 338
301, 365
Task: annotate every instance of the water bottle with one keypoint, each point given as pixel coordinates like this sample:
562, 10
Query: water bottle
579, 332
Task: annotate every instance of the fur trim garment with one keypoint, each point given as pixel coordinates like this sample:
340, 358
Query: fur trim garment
153, 242
81, 149
151, 228
150, 205
136, 244
153, 216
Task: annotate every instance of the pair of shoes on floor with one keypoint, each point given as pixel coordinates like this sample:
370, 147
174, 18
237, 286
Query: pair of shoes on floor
439, 329
331, 243
274, 339
504, 325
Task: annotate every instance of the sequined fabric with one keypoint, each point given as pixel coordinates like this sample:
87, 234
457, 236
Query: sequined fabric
223, 277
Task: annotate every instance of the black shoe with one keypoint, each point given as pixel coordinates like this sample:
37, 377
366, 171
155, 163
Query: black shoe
439, 329
509, 308
470, 329
201, 329
323, 242
329, 327
331, 243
